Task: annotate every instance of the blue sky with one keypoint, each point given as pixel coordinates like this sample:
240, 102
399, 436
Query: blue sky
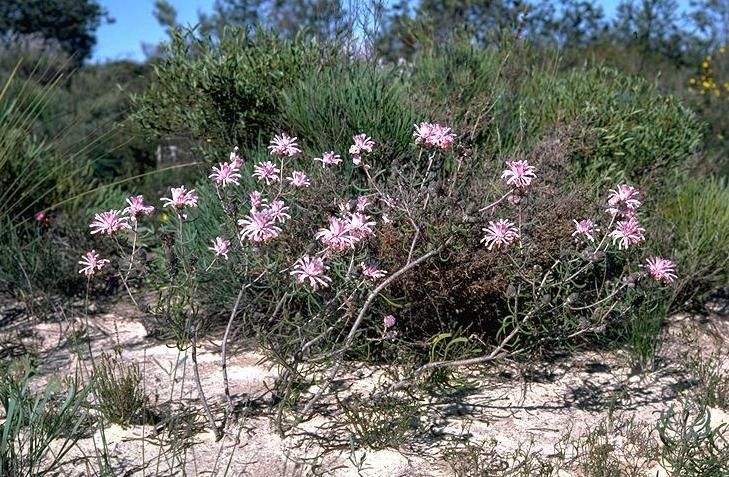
135, 25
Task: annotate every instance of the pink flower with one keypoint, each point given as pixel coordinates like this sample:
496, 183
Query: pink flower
298, 179
389, 321
266, 171
337, 235
136, 207
256, 200
258, 227
225, 174
362, 203
627, 232
370, 270
284, 145
92, 263
623, 200
585, 227
312, 269
362, 143
181, 198
234, 158
519, 174
277, 211
221, 247
109, 222
329, 159
360, 225
501, 232
661, 269
433, 135
41, 217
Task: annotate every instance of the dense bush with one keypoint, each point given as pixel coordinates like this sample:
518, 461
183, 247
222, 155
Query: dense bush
693, 219
223, 92
325, 106
507, 98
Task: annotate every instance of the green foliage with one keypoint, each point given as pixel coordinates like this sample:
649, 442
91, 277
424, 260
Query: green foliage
621, 127
328, 107
628, 130
694, 217
72, 23
692, 445
38, 430
225, 92
119, 391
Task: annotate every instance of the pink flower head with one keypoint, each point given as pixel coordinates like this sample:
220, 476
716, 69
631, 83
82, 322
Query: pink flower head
109, 222
41, 217
360, 225
256, 200
91, 262
235, 159
627, 232
501, 232
312, 269
362, 203
337, 235
266, 171
181, 198
585, 227
370, 270
661, 269
298, 179
221, 247
623, 200
433, 135
136, 207
283, 145
225, 174
329, 159
389, 321
277, 211
258, 227
519, 174
362, 143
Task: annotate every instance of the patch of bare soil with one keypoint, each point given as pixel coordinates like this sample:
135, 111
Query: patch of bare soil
535, 408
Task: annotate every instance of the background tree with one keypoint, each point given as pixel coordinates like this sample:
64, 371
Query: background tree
72, 23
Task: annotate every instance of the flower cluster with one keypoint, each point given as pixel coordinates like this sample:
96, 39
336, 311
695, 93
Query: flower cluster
661, 269
283, 145
500, 233
519, 174
329, 159
92, 263
434, 135
109, 222
362, 144
312, 269
226, 173
623, 204
181, 198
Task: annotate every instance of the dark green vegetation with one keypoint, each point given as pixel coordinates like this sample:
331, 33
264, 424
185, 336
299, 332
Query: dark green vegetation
590, 102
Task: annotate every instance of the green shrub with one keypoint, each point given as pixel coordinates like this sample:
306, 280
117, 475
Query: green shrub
38, 430
505, 99
225, 92
326, 107
693, 220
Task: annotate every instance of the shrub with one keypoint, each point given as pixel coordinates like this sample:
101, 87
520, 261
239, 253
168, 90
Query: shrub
508, 98
693, 218
225, 92
38, 429
118, 390
326, 105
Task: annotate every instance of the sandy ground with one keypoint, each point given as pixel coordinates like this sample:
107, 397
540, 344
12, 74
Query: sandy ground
516, 411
